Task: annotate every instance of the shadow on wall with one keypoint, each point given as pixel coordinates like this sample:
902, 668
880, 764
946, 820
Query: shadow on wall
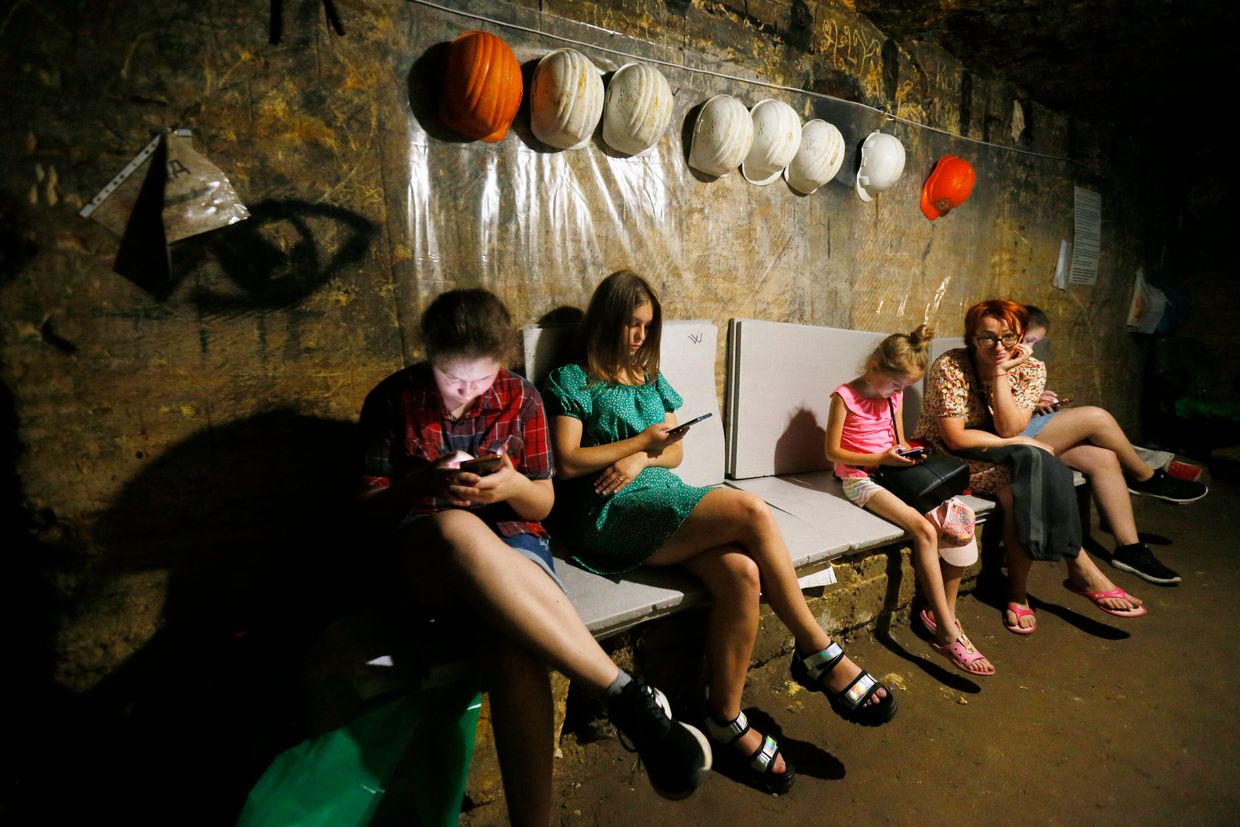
27, 602
251, 522
284, 252
800, 443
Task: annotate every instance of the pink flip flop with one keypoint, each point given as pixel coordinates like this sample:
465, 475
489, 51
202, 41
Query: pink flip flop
928, 622
1097, 597
1020, 612
963, 654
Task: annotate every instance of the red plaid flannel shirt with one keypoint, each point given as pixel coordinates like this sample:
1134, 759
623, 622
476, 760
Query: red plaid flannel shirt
404, 427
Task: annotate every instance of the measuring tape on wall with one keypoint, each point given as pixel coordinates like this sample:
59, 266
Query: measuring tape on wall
130, 169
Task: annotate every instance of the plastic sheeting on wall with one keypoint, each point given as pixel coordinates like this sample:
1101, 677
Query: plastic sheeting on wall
542, 226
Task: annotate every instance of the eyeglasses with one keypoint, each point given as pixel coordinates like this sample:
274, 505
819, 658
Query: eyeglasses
988, 340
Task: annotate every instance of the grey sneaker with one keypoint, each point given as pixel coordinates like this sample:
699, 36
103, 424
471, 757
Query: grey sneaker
676, 755
1139, 560
1168, 488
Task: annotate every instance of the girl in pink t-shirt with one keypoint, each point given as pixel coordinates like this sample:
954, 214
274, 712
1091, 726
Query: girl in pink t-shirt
864, 430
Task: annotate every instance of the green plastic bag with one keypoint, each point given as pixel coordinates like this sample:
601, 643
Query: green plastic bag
337, 779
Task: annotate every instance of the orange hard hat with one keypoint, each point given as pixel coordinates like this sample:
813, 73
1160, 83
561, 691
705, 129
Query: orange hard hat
482, 87
949, 186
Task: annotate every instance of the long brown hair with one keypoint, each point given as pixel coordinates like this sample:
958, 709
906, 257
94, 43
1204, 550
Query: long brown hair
607, 354
903, 353
1014, 315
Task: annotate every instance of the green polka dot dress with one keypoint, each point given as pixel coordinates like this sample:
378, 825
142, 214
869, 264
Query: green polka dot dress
610, 534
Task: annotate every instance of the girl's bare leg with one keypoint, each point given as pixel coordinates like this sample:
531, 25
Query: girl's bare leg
732, 578
727, 516
522, 720
925, 558
1073, 426
453, 554
1110, 489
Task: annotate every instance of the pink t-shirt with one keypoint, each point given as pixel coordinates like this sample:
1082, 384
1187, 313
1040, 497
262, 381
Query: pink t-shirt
868, 427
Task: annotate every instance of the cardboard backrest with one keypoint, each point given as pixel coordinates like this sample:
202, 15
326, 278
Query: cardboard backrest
687, 360
780, 378
779, 383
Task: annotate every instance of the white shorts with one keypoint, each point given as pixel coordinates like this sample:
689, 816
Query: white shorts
860, 490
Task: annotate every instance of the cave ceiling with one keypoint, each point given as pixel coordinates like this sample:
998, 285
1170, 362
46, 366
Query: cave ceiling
1119, 62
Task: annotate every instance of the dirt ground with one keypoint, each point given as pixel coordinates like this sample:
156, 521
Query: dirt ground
1093, 719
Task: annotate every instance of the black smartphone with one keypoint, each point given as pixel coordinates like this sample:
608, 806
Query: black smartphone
483, 465
912, 453
684, 426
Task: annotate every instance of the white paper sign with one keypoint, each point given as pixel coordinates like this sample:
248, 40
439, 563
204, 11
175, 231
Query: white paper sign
1087, 237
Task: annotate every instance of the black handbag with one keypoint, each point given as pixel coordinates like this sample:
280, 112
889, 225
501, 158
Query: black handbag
927, 484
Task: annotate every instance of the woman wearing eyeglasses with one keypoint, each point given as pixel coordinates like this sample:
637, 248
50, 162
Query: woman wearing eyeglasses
978, 400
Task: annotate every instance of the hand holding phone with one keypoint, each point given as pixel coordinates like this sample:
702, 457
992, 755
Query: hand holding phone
913, 452
684, 426
483, 465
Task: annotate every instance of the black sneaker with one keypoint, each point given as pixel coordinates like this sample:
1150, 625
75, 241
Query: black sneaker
1168, 488
676, 755
1139, 560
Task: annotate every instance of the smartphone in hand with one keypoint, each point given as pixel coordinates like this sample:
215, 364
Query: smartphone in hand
684, 426
483, 465
916, 452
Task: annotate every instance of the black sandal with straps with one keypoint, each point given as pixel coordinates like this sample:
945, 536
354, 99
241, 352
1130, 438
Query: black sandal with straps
758, 769
850, 703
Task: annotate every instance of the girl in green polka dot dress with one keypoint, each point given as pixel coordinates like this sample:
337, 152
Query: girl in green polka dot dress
612, 427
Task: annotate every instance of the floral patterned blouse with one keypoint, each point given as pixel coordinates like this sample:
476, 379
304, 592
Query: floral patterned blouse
953, 390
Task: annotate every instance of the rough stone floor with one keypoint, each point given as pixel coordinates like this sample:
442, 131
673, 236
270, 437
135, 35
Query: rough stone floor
1091, 720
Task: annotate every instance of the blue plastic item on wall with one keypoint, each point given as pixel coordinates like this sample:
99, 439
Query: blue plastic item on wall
338, 779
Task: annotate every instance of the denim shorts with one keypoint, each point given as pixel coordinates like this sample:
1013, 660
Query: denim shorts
1037, 423
537, 549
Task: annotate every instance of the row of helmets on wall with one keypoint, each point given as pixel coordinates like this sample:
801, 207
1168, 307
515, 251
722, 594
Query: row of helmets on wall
483, 90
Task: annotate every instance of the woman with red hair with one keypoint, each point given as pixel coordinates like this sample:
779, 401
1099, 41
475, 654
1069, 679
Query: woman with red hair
978, 400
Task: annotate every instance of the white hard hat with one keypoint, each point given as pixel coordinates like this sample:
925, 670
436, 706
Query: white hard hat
637, 110
721, 136
776, 136
566, 99
882, 164
818, 159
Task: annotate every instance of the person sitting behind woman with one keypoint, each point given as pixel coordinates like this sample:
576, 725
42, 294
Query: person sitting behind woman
1089, 439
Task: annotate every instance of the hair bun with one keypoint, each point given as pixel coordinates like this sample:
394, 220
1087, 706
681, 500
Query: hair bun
920, 337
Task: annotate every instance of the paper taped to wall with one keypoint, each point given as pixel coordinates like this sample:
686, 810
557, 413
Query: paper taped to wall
198, 197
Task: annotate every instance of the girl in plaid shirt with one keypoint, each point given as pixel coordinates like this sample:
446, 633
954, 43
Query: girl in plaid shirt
473, 540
